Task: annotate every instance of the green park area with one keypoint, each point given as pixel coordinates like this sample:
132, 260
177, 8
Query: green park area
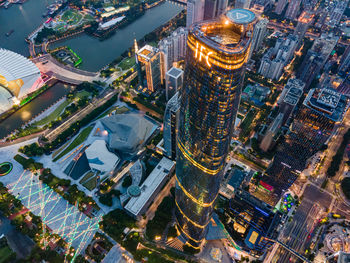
5, 254
77, 141
89, 181
53, 115
118, 110
127, 63
71, 17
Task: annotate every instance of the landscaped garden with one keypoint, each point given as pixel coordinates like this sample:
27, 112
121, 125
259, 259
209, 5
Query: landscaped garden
77, 141
5, 168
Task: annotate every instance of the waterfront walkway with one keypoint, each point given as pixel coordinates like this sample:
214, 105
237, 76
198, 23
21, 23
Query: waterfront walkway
51, 67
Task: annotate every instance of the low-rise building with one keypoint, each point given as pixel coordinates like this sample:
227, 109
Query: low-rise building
137, 206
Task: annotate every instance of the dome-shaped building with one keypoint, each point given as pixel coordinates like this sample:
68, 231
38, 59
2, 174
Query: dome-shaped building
18, 77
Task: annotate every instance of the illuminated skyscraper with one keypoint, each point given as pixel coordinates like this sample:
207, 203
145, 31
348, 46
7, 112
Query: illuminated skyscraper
150, 57
217, 51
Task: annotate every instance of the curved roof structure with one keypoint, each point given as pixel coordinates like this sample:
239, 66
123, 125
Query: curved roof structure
5, 99
127, 131
17, 73
100, 158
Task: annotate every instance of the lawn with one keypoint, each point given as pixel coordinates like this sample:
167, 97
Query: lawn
60, 149
89, 17
127, 63
120, 110
5, 253
82, 94
91, 184
53, 115
72, 17
77, 141
86, 177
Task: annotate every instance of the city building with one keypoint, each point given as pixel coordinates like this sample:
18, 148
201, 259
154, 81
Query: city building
259, 6
150, 57
280, 6
195, 11
171, 126
289, 98
232, 182
337, 13
271, 135
18, 78
259, 34
242, 4
217, 52
221, 7
276, 58
173, 48
210, 9
293, 9
318, 117
126, 133
100, 158
139, 204
252, 223
304, 21
316, 58
344, 64
256, 94
173, 82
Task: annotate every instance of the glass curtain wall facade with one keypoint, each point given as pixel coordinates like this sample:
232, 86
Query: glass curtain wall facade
217, 51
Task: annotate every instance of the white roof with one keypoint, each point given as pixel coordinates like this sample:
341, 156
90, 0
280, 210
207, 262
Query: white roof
14, 66
112, 22
100, 158
150, 185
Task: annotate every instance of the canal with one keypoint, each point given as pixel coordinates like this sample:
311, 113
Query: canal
23, 19
32, 109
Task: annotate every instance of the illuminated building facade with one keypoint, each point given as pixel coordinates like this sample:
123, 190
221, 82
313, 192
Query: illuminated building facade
171, 126
150, 58
316, 120
217, 52
253, 223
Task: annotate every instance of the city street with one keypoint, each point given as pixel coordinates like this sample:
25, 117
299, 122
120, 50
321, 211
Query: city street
297, 232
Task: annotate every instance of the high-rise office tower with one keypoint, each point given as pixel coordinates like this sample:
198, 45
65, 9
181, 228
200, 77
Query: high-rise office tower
138, 64
293, 9
173, 48
210, 9
173, 82
171, 126
150, 58
217, 51
289, 97
281, 4
259, 34
195, 11
221, 7
314, 123
242, 4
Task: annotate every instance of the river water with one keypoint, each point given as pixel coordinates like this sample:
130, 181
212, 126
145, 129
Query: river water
23, 19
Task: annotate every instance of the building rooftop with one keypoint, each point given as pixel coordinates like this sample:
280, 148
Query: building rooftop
230, 34
126, 132
174, 72
149, 186
240, 16
100, 158
147, 52
327, 102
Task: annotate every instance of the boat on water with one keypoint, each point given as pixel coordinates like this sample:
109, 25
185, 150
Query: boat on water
10, 32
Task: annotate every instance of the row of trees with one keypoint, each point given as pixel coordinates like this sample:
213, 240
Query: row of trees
338, 157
